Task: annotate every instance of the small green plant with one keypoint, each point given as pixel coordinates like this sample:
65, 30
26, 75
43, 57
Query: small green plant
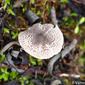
68, 20
82, 46
81, 21
24, 9
10, 11
5, 75
38, 12
13, 75
24, 81
32, 1
47, 8
82, 60
7, 2
39, 62
14, 34
66, 1
2, 58
34, 61
32, 9
6, 30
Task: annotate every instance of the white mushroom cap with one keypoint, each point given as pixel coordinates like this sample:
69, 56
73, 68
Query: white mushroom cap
42, 41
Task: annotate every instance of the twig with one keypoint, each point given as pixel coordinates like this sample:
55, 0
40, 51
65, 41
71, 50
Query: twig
53, 16
67, 49
18, 4
11, 64
69, 75
7, 46
62, 54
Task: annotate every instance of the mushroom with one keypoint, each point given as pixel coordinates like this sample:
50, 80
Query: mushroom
42, 41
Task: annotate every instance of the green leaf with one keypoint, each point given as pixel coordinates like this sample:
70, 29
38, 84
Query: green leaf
5, 5
11, 12
32, 9
73, 14
82, 20
0, 1
32, 60
38, 12
27, 82
12, 33
5, 77
31, 83
2, 57
7, 2
6, 30
24, 9
32, 1
21, 5
42, 0
81, 60
5, 69
76, 29
39, 62
15, 35
22, 79
2, 69
4, 74
22, 82
13, 75
1, 77
66, 1
25, 77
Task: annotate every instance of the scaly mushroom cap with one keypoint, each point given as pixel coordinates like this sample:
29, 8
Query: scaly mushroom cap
41, 41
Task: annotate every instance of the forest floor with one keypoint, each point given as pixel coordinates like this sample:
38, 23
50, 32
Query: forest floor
27, 70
